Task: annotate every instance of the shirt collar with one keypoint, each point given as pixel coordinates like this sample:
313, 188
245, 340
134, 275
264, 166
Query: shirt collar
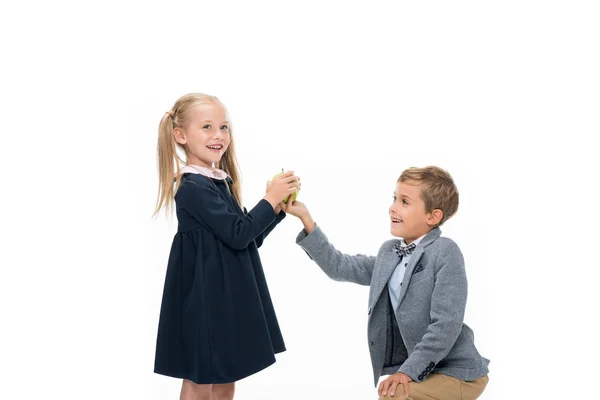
416, 242
209, 172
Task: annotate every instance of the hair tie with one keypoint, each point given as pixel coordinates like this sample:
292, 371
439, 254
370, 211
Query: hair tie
171, 113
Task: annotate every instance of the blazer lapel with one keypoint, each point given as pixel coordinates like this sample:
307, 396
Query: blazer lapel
414, 260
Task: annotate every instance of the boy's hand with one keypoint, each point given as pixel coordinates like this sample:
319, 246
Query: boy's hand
296, 208
392, 382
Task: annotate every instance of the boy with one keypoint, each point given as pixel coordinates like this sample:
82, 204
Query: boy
418, 293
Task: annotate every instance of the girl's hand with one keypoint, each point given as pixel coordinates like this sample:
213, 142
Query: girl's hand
278, 208
281, 187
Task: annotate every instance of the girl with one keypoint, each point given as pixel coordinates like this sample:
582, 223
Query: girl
217, 323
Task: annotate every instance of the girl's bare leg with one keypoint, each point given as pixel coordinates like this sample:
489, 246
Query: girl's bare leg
223, 391
194, 391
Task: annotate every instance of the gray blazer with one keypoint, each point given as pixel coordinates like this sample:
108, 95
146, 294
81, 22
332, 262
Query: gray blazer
426, 333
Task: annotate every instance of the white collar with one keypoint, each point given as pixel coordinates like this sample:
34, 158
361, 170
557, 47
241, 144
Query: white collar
416, 241
209, 172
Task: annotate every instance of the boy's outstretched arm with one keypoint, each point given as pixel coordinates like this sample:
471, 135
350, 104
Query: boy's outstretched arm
338, 266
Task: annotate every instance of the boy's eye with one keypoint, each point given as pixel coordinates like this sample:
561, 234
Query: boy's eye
206, 126
394, 197
404, 201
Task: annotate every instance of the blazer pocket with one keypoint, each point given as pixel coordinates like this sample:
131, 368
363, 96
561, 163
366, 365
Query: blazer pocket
418, 268
418, 277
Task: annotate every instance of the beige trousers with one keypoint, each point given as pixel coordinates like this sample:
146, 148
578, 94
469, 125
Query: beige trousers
441, 387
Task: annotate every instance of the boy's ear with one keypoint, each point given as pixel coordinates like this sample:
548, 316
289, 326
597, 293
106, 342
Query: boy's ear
435, 217
179, 136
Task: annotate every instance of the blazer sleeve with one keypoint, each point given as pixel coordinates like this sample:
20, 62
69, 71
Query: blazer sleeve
448, 302
204, 203
338, 266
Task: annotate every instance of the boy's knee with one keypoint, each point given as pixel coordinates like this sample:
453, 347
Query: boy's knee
397, 396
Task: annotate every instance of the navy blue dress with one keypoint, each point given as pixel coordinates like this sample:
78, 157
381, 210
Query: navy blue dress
217, 322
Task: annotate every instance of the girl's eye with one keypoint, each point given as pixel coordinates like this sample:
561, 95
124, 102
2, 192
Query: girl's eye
404, 202
225, 128
206, 127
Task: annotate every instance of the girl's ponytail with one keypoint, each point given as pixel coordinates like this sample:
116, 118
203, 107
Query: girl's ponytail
168, 164
230, 165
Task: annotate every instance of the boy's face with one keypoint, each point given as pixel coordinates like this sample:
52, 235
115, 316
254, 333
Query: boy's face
409, 220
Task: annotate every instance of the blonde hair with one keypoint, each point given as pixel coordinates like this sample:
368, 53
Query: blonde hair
439, 190
169, 162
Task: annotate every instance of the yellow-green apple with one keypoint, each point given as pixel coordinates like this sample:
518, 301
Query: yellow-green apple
294, 196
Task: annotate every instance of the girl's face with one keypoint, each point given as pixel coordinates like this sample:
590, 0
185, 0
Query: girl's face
409, 220
206, 136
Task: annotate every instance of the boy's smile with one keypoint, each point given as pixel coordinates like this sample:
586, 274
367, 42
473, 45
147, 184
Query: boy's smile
409, 219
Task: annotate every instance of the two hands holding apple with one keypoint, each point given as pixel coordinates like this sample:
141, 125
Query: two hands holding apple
282, 192
281, 188
295, 182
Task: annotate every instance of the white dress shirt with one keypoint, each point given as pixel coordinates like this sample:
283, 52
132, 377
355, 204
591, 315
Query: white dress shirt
395, 282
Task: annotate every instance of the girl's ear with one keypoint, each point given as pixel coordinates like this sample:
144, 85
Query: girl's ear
179, 136
435, 217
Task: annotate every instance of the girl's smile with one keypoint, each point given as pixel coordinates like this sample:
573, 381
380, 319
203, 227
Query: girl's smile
206, 136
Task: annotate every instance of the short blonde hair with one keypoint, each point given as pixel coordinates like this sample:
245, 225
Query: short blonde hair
438, 192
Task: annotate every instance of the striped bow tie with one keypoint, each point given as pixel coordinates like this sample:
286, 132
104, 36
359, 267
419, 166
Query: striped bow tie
404, 251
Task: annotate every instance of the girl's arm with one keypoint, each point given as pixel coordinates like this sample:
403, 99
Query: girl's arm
204, 203
260, 238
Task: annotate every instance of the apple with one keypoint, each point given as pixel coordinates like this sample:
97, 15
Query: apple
294, 196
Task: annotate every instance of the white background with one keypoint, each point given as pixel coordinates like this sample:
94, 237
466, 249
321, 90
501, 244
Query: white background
504, 95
